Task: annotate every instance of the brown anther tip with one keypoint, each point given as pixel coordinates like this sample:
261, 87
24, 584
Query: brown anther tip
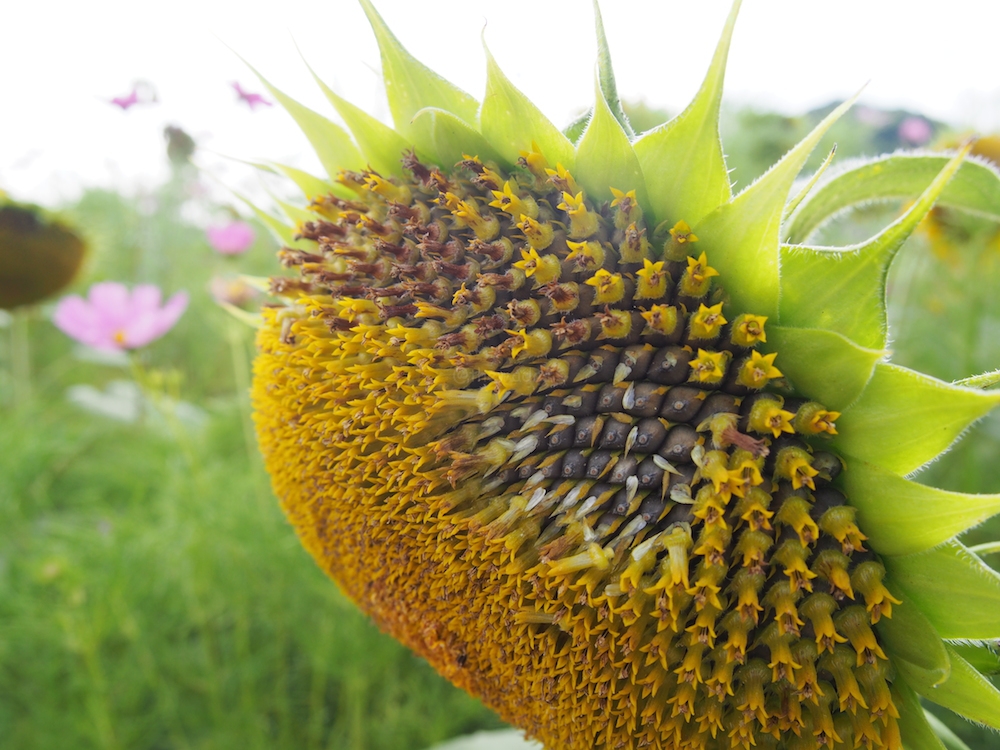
393, 311
500, 281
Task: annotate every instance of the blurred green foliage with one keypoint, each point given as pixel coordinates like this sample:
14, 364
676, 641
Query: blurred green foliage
151, 594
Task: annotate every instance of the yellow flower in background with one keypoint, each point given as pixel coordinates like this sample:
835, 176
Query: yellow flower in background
612, 448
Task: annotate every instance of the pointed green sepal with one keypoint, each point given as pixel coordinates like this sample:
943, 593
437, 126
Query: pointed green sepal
975, 189
987, 548
606, 74
905, 418
967, 693
741, 237
575, 129
311, 186
917, 650
332, 144
381, 146
439, 132
823, 364
682, 159
843, 290
985, 380
902, 517
914, 729
959, 594
982, 656
254, 320
410, 85
512, 123
283, 233
605, 159
951, 740
794, 202
296, 215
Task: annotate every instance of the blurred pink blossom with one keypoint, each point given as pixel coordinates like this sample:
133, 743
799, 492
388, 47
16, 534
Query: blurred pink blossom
126, 101
142, 93
915, 130
252, 100
232, 238
113, 318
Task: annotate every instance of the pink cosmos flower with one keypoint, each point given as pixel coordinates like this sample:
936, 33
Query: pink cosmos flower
915, 131
253, 100
113, 318
232, 238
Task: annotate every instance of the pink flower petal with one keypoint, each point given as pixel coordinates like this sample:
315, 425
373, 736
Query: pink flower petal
231, 239
145, 299
78, 320
113, 318
152, 324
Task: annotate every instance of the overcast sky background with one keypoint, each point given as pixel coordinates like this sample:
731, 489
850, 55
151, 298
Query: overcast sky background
62, 61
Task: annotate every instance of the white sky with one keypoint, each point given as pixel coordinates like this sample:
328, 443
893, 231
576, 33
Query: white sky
62, 61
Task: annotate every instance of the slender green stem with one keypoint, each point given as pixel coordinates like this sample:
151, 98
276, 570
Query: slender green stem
20, 354
989, 548
165, 404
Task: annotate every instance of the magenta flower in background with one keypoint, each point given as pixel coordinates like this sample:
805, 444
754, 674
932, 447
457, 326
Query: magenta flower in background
232, 238
252, 100
112, 317
915, 131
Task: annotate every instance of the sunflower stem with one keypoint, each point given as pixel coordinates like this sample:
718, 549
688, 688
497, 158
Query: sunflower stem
20, 354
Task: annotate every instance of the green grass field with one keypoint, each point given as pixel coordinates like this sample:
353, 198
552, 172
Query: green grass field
151, 594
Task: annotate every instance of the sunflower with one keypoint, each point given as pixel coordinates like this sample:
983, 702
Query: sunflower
39, 255
587, 432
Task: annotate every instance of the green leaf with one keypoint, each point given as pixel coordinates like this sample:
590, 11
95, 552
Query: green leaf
917, 650
605, 159
967, 693
382, 146
951, 740
975, 189
439, 132
682, 160
794, 202
981, 656
741, 237
959, 594
905, 418
332, 144
512, 123
822, 364
843, 290
902, 517
606, 74
410, 85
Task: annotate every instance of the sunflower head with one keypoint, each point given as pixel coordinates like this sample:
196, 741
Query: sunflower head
583, 429
38, 255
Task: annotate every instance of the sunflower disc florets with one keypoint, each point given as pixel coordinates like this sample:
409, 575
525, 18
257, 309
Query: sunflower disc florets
610, 446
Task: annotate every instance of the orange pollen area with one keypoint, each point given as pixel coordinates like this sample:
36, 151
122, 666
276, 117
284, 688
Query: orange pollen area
572, 508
